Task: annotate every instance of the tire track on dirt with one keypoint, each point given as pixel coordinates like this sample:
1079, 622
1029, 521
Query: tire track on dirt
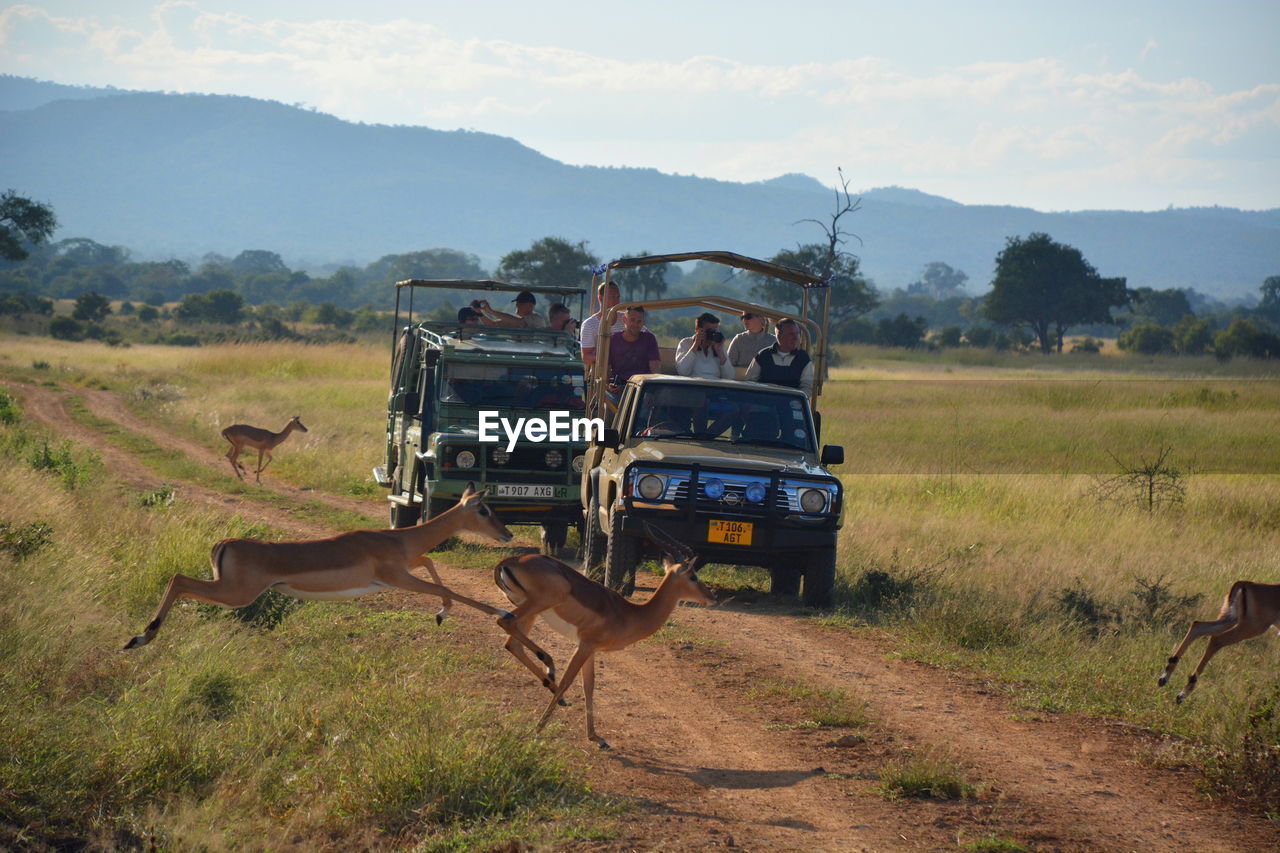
704, 768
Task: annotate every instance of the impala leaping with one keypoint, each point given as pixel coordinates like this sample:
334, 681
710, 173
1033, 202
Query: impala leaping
342, 567
596, 617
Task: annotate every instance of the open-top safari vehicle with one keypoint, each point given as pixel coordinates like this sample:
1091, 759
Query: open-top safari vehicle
443, 374
732, 468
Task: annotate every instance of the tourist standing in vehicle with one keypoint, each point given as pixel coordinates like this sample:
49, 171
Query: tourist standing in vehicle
746, 345
702, 354
609, 296
524, 318
633, 350
784, 363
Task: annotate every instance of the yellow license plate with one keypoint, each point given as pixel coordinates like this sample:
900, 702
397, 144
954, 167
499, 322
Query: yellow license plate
730, 532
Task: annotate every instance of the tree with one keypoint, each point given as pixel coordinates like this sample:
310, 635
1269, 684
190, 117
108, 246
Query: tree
549, 262
650, 280
1162, 307
940, 281
1049, 286
23, 221
216, 306
851, 294
91, 306
259, 261
1270, 305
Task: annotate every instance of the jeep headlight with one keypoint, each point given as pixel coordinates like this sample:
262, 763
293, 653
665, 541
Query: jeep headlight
651, 487
813, 500
578, 462
713, 488
755, 492
554, 458
465, 459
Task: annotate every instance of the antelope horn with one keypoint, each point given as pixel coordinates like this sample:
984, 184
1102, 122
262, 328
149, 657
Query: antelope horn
665, 541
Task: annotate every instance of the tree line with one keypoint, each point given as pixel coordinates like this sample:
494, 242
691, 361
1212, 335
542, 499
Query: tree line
1041, 290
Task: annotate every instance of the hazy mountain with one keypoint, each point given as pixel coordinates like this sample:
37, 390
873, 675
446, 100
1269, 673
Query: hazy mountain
181, 175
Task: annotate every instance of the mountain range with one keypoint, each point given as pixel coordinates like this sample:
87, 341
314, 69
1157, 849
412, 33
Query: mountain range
179, 175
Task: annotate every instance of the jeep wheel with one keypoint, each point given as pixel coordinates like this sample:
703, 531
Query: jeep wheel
784, 578
592, 549
621, 556
554, 535
405, 515
819, 578
438, 506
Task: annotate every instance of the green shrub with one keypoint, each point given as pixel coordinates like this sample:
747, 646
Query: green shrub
26, 540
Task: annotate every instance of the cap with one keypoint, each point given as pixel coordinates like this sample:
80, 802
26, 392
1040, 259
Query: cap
525, 296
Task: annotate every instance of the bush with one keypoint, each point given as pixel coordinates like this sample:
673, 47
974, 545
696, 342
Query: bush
1243, 338
26, 540
1147, 339
65, 329
1087, 344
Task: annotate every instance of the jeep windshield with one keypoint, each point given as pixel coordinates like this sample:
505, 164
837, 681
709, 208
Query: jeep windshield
746, 415
512, 386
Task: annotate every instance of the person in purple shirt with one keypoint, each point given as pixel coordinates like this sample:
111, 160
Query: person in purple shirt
633, 350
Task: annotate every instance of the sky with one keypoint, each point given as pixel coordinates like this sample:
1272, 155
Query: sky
1062, 106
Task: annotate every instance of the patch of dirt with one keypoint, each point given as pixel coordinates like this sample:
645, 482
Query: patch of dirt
712, 761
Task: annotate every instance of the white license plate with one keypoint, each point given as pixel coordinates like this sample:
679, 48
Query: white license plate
519, 490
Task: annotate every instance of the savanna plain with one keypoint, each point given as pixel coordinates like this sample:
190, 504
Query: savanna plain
1036, 532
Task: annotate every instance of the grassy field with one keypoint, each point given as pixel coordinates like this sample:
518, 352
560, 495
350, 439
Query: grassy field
975, 534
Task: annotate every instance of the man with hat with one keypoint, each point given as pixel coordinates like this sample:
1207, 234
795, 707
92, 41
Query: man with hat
524, 318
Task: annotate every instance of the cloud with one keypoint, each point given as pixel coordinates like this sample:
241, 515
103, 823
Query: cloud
1039, 121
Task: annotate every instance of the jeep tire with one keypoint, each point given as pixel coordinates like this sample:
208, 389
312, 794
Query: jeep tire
784, 578
592, 548
554, 535
819, 578
621, 556
405, 515
438, 506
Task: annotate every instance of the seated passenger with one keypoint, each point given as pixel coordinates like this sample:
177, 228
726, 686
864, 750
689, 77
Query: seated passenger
784, 363
703, 353
633, 350
468, 316
560, 319
745, 345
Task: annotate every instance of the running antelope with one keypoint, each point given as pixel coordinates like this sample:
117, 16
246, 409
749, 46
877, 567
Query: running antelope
342, 567
594, 616
264, 441
1248, 611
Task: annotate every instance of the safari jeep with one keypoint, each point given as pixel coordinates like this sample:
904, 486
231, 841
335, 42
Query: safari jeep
443, 375
733, 469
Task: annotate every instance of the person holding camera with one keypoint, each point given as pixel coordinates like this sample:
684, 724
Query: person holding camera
703, 353
524, 318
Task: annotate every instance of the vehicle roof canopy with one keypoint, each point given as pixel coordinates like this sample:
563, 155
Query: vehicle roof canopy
804, 278
813, 327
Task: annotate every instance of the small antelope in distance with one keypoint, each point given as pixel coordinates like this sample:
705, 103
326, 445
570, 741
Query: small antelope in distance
1248, 611
596, 617
342, 567
255, 438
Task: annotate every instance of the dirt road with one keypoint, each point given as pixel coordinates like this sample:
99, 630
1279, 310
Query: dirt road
715, 759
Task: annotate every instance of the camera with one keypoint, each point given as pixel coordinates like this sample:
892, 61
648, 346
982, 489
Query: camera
475, 303
715, 337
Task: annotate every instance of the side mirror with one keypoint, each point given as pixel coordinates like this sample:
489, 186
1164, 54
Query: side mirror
832, 454
612, 438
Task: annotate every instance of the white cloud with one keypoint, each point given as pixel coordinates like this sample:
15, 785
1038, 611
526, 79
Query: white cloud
1038, 122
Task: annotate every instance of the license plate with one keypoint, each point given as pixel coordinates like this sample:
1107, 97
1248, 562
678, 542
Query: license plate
730, 532
522, 490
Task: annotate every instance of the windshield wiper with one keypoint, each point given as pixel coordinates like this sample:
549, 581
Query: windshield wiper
770, 442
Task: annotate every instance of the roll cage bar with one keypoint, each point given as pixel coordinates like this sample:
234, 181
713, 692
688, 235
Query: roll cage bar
813, 329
